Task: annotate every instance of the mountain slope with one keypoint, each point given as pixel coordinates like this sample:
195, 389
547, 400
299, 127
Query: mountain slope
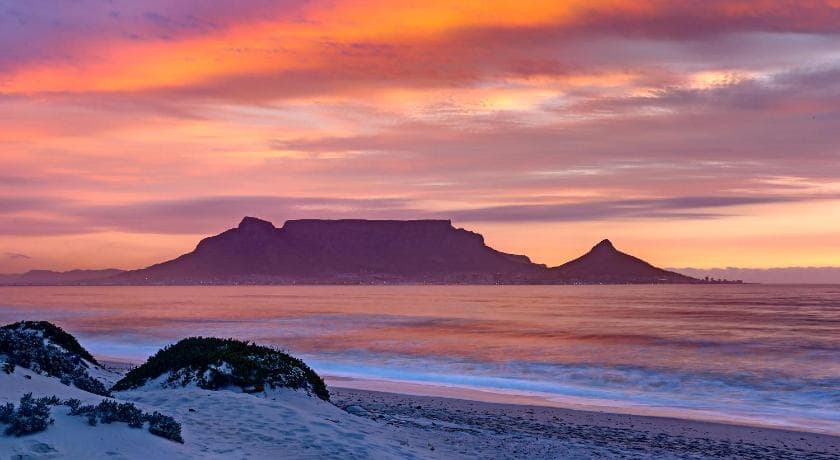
356, 251
339, 251
605, 264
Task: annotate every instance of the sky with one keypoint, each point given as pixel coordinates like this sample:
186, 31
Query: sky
691, 133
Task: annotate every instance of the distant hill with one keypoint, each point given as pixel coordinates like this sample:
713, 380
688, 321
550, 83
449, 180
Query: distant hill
379, 251
48, 277
605, 264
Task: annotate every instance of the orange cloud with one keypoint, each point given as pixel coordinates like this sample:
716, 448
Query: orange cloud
468, 107
357, 36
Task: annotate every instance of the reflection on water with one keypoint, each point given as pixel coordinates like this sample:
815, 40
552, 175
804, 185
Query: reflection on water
766, 352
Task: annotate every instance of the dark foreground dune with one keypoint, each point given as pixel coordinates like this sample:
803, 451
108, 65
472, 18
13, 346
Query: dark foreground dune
473, 429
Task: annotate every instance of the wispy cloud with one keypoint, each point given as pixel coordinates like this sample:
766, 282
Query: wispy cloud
205, 215
175, 118
686, 207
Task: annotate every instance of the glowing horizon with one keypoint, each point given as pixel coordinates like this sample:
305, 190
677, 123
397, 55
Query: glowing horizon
702, 136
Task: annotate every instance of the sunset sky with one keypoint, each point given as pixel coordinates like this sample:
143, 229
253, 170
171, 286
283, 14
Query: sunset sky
695, 133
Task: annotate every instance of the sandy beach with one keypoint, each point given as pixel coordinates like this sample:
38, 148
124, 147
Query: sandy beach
459, 428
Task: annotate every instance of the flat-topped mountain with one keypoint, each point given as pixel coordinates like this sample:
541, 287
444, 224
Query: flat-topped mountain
341, 251
606, 264
355, 251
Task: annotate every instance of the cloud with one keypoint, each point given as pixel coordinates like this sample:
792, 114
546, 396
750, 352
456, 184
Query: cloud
686, 207
148, 117
691, 20
16, 256
289, 49
14, 204
811, 89
199, 215
205, 215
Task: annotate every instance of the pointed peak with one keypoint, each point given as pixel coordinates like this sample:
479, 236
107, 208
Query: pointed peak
604, 244
255, 223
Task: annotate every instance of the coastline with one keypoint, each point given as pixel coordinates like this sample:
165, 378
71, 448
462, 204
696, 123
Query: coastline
565, 402
481, 429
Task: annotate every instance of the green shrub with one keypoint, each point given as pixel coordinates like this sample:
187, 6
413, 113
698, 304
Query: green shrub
54, 334
164, 426
214, 363
7, 411
110, 411
23, 344
31, 416
73, 404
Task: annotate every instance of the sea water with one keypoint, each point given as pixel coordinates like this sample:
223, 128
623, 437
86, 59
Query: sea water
765, 354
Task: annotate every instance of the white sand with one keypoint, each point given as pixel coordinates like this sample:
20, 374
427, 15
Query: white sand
290, 424
224, 424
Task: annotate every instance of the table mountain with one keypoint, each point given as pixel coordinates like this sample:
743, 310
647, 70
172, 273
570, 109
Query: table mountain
340, 251
354, 251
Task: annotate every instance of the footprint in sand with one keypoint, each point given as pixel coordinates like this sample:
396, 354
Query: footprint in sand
34, 449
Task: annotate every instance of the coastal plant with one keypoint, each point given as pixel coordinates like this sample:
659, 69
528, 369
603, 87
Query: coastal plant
55, 335
7, 411
31, 416
73, 404
214, 363
164, 426
110, 411
41, 347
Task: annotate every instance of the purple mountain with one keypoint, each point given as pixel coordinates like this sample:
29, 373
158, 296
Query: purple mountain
606, 264
379, 251
49, 277
341, 251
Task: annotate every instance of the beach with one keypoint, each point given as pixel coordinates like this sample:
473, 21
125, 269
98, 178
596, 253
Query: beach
364, 424
459, 428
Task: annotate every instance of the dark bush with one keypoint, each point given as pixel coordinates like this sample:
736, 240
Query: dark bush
214, 363
9, 367
73, 404
51, 400
54, 334
91, 385
31, 416
165, 427
110, 411
7, 411
25, 346
76, 407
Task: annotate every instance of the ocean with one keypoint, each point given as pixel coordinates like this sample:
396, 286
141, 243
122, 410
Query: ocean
762, 354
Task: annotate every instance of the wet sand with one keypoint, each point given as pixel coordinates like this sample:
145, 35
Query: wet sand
463, 428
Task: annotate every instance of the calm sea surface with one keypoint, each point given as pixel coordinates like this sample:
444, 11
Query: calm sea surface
768, 354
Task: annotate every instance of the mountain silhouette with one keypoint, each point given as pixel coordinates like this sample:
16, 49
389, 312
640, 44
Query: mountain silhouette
341, 251
356, 251
606, 264
49, 277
